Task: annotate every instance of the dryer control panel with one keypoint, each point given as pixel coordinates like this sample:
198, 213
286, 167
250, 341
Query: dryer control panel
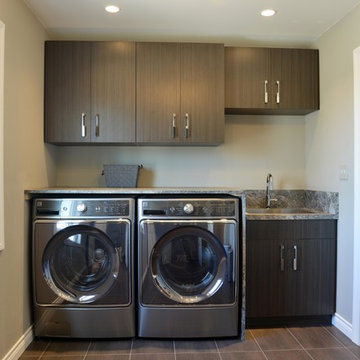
209, 208
82, 208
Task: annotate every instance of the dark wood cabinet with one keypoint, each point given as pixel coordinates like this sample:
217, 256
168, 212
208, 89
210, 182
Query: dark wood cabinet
180, 93
291, 268
271, 81
89, 92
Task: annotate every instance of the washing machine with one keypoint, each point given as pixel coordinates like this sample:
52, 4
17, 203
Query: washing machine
83, 267
188, 251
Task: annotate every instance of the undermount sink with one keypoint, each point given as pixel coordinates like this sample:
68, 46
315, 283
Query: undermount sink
271, 211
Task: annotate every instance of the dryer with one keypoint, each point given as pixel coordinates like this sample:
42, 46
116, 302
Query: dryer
83, 267
187, 267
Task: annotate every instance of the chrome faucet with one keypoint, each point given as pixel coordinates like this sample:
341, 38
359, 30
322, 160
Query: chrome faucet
268, 191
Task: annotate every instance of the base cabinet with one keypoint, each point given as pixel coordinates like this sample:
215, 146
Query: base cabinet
291, 268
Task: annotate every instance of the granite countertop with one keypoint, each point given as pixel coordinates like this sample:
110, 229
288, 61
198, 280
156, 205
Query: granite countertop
292, 205
312, 204
132, 191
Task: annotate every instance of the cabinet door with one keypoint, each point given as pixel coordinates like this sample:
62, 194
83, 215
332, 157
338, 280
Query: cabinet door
295, 79
311, 289
265, 270
158, 92
246, 71
67, 92
113, 92
202, 93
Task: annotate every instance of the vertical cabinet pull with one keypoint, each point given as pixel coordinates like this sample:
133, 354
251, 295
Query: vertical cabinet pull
282, 261
295, 259
266, 95
97, 125
173, 129
187, 122
278, 92
83, 125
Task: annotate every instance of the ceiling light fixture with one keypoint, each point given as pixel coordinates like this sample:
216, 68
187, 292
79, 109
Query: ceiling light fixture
268, 12
112, 9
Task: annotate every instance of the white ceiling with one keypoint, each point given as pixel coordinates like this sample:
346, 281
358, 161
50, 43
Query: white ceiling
298, 22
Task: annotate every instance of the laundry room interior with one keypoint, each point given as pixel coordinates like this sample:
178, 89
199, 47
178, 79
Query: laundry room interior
180, 180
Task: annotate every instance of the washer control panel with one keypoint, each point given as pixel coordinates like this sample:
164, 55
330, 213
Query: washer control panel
222, 207
78, 208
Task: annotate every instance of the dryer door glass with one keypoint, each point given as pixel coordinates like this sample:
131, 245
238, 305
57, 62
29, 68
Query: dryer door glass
80, 264
189, 264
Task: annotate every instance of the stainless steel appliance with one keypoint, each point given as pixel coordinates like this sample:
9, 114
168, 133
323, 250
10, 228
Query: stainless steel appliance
83, 267
188, 250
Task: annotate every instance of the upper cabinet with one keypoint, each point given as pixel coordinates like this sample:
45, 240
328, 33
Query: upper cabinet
271, 81
180, 93
89, 92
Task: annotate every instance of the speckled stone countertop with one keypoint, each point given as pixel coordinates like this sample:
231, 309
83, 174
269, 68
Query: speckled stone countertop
132, 191
311, 204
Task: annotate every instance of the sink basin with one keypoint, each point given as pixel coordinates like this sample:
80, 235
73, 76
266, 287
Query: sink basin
272, 211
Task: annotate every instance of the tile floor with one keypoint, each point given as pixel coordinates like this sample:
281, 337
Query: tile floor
286, 343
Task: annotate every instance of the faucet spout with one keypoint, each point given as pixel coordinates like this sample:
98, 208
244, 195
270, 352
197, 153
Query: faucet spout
268, 190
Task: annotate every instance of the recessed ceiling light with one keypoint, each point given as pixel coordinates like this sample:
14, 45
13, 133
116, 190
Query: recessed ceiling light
268, 12
112, 9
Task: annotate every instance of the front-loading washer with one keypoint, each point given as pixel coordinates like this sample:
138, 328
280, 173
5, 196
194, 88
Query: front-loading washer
83, 267
187, 267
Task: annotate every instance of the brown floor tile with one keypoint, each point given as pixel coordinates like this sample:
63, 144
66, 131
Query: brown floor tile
107, 347
340, 336
275, 339
314, 337
152, 357
331, 354
36, 348
144, 346
108, 357
198, 356
243, 356
287, 355
355, 350
27, 357
69, 347
235, 345
62, 357
186, 346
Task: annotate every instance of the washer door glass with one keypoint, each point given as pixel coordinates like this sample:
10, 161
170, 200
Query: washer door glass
188, 264
80, 264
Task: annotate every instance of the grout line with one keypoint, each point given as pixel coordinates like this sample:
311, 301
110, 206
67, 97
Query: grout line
218, 349
258, 345
46, 347
174, 347
296, 339
87, 351
338, 340
131, 348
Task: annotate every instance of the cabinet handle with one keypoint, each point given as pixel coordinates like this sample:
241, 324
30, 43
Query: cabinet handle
97, 125
282, 261
278, 92
187, 122
83, 125
295, 258
266, 95
173, 130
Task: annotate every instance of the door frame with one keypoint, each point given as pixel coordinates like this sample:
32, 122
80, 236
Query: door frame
356, 270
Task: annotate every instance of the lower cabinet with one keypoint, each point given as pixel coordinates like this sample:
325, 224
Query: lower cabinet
290, 268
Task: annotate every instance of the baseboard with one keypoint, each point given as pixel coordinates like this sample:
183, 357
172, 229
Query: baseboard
343, 325
20, 346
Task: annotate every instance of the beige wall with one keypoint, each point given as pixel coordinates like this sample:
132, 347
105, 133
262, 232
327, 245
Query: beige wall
330, 141
28, 163
254, 146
